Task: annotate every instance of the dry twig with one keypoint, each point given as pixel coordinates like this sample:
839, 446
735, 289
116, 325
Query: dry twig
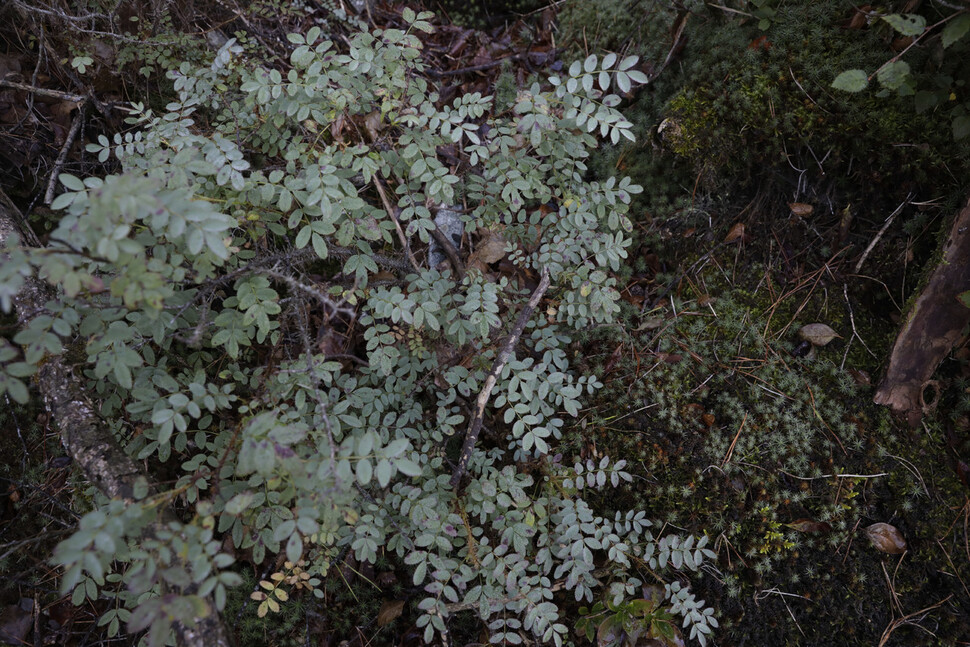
475, 427
879, 234
62, 156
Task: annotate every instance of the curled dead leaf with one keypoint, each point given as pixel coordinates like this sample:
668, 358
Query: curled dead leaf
809, 525
737, 232
389, 612
817, 334
651, 323
490, 249
801, 209
372, 124
886, 538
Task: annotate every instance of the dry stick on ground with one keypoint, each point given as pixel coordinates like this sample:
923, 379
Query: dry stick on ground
475, 427
62, 156
879, 234
84, 435
855, 333
450, 251
734, 442
933, 325
911, 619
44, 92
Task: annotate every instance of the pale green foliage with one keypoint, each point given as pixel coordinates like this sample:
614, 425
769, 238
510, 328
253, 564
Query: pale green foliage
308, 456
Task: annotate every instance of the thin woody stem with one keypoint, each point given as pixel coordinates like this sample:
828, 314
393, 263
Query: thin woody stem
475, 427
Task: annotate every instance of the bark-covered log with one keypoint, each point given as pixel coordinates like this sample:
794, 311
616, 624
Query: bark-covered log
933, 325
86, 438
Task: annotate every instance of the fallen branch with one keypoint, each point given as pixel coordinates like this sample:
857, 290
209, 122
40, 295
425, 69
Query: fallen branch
62, 156
932, 327
475, 427
450, 252
87, 439
44, 92
872, 243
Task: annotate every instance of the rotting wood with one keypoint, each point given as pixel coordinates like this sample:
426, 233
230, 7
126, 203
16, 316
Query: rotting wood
934, 324
88, 441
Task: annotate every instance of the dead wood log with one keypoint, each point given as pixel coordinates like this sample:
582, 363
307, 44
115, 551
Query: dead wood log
933, 325
88, 441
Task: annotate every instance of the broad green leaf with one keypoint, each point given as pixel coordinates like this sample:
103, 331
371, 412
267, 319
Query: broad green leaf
892, 75
961, 127
71, 182
910, 24
956, 29
851, 81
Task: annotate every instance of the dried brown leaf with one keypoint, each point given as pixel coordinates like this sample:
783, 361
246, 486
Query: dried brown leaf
818, 334
16, 621
372, 123
737, 232
809, 525
389, 612
490, 249
886, 538
801, 209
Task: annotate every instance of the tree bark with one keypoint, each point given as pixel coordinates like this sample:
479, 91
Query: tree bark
87, 440
934, 324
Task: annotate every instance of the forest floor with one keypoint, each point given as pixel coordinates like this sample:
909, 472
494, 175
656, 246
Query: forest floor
738, 387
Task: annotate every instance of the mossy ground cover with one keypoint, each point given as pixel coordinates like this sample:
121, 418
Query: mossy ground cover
738, 431
782, 459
